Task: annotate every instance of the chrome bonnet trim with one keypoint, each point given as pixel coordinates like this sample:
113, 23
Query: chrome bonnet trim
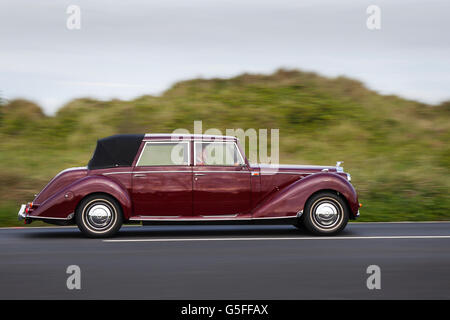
286, 172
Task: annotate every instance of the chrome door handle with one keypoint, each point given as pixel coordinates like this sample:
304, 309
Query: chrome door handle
199, 174
139, 175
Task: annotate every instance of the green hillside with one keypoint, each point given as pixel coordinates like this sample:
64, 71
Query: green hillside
397, 150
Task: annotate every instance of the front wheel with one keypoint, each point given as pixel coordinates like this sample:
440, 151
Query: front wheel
325, 214
99, 216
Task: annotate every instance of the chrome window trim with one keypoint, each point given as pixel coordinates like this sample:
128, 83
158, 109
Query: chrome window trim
188, 140
188, 135
166, 142
216, 165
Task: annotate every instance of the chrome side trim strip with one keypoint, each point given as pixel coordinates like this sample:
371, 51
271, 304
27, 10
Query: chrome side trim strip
220, 216
212, 171
158, 217
122, 172
290, 166
275, 217
285, 172
208, 171
149, 218
173, 171
163, 171
155, 171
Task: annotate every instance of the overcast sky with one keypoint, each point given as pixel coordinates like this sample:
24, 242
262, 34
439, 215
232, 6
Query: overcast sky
129, 48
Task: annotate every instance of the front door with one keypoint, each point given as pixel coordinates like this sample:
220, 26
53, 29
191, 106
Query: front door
162, 180
221, 180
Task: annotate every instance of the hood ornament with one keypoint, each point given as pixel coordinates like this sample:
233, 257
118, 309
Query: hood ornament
339, 168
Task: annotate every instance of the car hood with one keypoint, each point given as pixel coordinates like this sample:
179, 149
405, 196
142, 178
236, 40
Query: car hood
60, 181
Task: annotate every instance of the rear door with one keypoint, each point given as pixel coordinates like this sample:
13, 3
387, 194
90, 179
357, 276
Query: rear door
162, 180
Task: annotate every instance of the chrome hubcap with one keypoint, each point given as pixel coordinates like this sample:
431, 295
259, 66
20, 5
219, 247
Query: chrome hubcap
99, 216
326, 214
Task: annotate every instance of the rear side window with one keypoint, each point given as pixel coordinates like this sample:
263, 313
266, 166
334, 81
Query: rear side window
164, 154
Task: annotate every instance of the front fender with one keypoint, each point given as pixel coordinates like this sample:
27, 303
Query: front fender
290, 200
64, 202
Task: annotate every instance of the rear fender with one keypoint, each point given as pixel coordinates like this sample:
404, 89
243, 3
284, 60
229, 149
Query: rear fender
290, 200
63, 203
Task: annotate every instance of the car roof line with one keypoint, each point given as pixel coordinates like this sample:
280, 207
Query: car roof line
156, 135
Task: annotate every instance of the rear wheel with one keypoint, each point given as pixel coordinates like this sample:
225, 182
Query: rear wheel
99, 216
325, 214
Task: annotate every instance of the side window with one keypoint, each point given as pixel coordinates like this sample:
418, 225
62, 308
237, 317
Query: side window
164, 154
217, 154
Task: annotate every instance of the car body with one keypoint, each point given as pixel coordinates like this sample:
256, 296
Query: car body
164, 178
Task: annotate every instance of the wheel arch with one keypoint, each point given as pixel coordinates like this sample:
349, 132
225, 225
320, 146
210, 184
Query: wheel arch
291, 200
337, 193
101, 193
106, 186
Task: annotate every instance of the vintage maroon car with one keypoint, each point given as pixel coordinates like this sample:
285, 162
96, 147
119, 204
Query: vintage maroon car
156, 178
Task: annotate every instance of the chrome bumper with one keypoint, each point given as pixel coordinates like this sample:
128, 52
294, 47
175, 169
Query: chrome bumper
357, 214
22, 214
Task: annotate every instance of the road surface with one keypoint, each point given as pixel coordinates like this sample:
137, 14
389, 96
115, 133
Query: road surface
228, 262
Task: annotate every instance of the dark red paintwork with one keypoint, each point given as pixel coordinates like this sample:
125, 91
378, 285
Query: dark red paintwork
220, 192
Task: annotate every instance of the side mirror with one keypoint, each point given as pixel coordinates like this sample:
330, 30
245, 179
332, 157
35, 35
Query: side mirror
243, 166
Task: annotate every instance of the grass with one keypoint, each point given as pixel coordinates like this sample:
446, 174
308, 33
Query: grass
396, 150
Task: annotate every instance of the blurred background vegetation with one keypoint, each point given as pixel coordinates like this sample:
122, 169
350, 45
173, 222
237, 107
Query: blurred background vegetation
396, 150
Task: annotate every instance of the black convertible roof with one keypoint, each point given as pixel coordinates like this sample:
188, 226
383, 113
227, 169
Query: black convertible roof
115, 151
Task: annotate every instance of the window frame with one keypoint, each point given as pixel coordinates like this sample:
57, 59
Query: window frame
195, 142
165, 165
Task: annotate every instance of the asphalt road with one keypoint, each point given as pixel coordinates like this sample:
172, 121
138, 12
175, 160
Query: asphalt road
228, 262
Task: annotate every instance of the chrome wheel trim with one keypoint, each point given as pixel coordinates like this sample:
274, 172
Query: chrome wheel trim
327, 214
99, 216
